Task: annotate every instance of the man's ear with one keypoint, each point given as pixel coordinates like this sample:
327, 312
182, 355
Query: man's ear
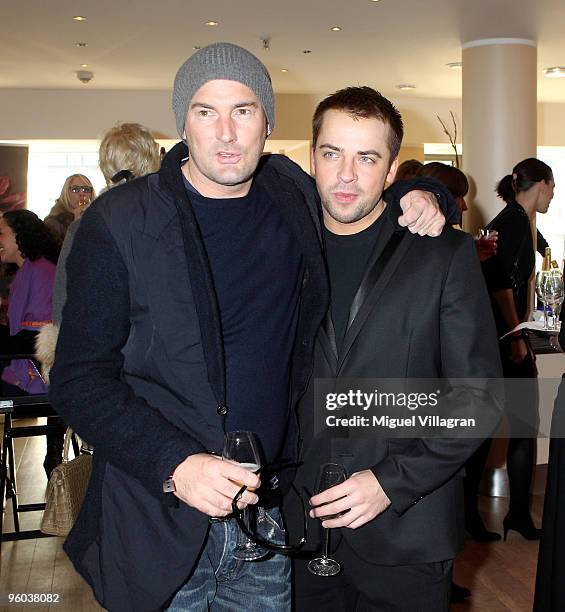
392, 171
312, 161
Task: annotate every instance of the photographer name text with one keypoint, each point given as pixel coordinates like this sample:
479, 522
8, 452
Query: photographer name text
385, 421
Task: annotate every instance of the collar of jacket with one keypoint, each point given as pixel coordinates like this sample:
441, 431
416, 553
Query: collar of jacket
284, 182
200, 272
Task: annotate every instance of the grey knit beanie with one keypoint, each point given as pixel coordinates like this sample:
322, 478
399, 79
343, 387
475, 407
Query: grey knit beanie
222, 61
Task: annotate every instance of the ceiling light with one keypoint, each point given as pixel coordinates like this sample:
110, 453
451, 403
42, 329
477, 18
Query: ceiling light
79, 18
555, 72
81, 44
84, 65
335, 29
374, 0
405, 86
212, 23
306, 51
455, 65
197, 47
284, 69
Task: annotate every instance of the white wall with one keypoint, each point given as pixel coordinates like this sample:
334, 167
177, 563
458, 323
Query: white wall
74, 114
80, 114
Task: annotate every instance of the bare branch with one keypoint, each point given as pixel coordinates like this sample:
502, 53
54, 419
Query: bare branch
452, 138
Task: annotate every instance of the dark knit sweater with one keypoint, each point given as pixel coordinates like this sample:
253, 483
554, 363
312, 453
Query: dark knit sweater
257, 269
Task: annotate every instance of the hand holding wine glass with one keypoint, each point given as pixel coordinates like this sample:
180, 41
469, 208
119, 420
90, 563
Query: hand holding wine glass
207, 483
244, 448
330, 475
486, 243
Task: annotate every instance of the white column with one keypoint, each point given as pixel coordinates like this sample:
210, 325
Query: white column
499, 117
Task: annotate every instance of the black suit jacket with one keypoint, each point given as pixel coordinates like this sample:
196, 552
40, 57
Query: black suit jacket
427, 316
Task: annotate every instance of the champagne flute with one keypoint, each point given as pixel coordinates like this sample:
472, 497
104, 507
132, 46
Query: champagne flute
329, 475
244, 448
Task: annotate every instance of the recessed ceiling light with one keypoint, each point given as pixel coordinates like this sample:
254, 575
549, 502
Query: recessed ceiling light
284, 69
79, 18
212, 23
307, 51
374, 0
335, 29
555, 72
84, 65
455, 65
405, 86
81, 44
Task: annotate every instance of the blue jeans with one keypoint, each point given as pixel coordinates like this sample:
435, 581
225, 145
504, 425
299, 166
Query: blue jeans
221, 583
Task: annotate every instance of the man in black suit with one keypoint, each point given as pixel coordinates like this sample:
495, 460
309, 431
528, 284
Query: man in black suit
402, 306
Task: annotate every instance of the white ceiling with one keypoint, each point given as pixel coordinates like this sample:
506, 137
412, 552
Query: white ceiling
139, 44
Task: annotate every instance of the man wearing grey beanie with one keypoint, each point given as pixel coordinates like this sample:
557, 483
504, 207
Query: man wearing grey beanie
198, 291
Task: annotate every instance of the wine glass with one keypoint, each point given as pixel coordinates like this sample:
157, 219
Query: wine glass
486, 242
329, 475
244, 448
541, 279
553, 293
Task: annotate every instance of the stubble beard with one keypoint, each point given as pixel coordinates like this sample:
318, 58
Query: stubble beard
347, 214
227, 176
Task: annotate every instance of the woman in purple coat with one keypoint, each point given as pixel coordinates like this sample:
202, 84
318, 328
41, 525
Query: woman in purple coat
26, 242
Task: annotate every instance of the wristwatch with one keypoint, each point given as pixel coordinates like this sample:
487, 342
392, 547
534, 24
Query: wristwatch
169, 485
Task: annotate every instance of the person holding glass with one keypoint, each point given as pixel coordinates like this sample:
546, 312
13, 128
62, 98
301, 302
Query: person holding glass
402, 307
507, 275
193, 298
76, 195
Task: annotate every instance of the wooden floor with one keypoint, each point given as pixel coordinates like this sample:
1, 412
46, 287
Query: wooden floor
38, 565
501, 575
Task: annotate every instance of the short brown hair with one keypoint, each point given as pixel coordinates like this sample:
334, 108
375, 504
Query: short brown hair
366, 103
407, 170
455, 180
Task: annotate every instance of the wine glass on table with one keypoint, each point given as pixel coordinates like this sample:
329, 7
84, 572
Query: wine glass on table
541, 279
244, 448
329, 475
553, 293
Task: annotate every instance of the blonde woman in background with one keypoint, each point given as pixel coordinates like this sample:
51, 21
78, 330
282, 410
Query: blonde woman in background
127, 151
76, 195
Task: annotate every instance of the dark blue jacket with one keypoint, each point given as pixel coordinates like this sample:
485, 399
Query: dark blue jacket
139, 371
